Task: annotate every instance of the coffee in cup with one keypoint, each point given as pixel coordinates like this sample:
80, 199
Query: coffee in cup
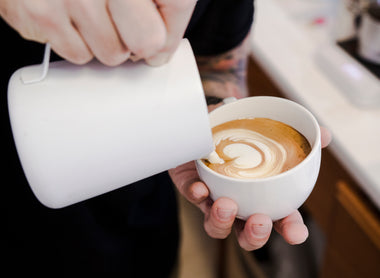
257, 148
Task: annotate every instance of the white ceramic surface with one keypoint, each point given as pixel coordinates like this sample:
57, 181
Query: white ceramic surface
87, 130
286, 50
276, 196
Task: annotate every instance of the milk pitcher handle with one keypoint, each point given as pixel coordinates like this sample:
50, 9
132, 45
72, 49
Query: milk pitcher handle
28, 77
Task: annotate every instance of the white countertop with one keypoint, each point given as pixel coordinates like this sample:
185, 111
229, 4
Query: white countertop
286, 51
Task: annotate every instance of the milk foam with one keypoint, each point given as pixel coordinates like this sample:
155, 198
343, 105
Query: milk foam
245, 156
256, 148
249, 154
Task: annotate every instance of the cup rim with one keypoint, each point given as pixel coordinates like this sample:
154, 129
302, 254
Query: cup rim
315, 148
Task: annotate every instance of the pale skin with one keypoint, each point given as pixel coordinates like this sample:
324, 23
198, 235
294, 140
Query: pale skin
114, 31
110, 30
224, 76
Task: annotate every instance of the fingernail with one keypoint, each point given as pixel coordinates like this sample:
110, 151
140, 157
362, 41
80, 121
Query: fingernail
134, 58
225, 214
260, 230
158, 60
121, 58
199, 192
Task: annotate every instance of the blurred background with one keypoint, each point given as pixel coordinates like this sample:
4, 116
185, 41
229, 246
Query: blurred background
324, 54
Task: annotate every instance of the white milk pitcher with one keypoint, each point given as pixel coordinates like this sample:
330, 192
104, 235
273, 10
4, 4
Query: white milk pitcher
81, 131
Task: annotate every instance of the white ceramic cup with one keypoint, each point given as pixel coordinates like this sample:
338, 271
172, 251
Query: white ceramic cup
86, 130
276, 196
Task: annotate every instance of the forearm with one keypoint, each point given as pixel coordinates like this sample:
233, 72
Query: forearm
224, 75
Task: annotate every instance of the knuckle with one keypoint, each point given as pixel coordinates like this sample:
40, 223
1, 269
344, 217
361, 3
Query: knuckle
196, 191
139, 51
215, 233
216, 229
84, 58
81, 60
250, 244
43, 16
79, 57
254, 243
112, 57
110, 61
150, 45
251, 247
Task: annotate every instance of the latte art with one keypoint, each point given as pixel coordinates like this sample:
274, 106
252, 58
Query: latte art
257, 148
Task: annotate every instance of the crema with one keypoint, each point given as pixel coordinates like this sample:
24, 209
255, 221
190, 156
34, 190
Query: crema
257, 148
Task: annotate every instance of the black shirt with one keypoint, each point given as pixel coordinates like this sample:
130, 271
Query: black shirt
132, 230
219, 25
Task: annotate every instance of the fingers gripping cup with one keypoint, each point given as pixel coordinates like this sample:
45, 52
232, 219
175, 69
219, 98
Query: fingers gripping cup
268, 155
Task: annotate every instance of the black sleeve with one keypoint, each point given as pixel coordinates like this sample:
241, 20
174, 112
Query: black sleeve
219, 25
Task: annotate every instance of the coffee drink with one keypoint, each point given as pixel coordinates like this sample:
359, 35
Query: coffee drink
256, 148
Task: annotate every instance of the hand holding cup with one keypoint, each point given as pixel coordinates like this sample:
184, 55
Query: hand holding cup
220, 211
